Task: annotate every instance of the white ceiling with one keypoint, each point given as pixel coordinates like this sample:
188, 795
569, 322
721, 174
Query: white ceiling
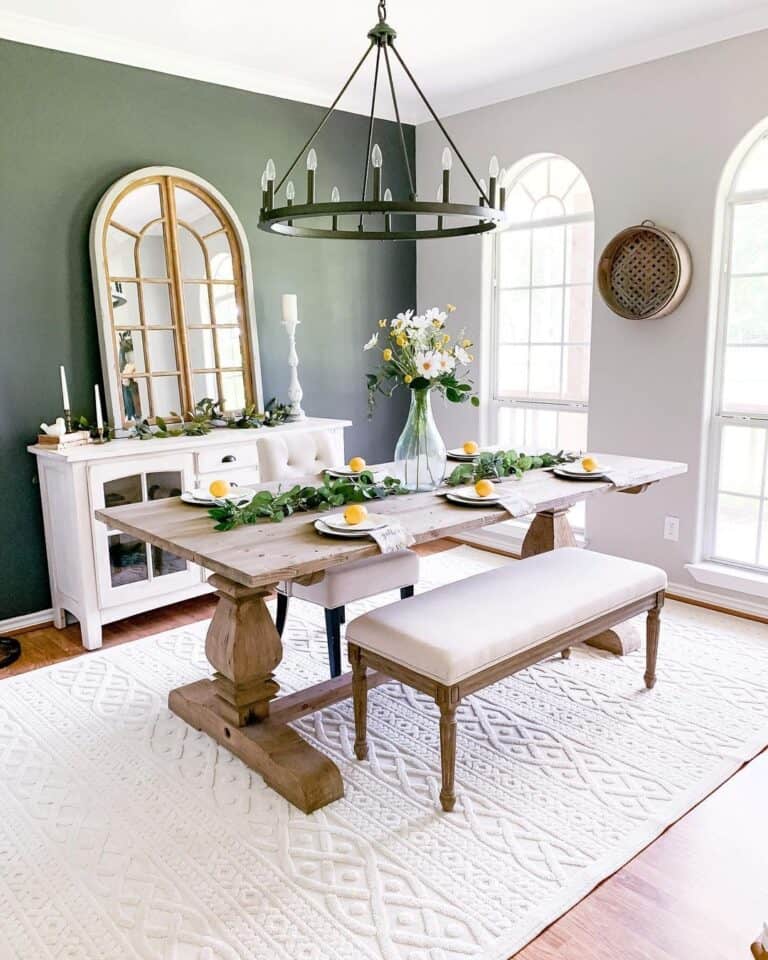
464, 53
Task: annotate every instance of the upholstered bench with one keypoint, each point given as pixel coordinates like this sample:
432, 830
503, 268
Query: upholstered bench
457, 639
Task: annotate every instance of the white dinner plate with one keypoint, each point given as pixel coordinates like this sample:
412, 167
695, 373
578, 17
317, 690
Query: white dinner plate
343, 472
350, 533
240, 496
458, 454
573, 475
471, 498
373, 521
576, 470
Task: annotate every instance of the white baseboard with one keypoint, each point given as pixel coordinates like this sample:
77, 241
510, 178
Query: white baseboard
755, 608
26, 621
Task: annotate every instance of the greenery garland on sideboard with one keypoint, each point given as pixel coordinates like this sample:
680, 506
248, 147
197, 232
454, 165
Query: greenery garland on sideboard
207, 416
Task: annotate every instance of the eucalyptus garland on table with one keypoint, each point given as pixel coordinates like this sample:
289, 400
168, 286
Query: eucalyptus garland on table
328, 495
495, 465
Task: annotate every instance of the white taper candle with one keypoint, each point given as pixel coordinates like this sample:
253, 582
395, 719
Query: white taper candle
64, 391
99, 414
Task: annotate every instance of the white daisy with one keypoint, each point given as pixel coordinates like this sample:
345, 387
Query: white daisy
461, 355
402, 320
427, 364
435, 316
420, 322
445, 362
372, 342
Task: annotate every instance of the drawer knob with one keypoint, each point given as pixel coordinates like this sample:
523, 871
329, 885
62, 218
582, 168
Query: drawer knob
229, 459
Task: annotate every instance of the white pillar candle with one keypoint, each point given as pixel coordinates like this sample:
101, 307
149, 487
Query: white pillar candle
290, 311
64, 391
99, 414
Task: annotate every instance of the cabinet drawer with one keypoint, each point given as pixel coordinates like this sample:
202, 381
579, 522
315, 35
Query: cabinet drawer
236, 457
246, 477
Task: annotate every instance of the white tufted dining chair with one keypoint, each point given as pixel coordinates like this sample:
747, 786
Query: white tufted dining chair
284, 457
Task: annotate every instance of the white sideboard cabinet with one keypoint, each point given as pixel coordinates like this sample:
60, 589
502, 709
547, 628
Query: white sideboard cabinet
99, 575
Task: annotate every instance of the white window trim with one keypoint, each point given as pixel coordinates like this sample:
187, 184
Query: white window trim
734, 575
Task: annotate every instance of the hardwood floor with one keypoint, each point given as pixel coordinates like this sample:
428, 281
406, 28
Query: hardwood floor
699, 891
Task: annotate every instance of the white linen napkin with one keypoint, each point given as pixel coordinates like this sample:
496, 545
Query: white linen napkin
628, 476
392, 538
516, 505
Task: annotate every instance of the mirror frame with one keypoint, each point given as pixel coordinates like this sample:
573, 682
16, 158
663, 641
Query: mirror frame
102, 291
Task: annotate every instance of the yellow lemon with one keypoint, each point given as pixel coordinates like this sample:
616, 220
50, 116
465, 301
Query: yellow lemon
219, 488
387, 355
470, 447
589, 464
357, 465
355, 513
483, 488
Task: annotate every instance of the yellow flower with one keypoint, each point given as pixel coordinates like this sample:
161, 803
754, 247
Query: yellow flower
446, 338
450, 308
466, 343
387, 355
437, 323
401, 340
382, 323
407, 378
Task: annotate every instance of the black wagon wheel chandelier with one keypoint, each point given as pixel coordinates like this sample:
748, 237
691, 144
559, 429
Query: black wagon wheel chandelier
373, 211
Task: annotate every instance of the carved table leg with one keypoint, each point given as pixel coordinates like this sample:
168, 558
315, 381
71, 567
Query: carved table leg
244, 649
551, 530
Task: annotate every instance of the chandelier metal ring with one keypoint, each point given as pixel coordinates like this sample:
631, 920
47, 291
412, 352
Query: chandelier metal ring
374, 212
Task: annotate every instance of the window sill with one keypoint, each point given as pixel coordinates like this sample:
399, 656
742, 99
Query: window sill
729, 578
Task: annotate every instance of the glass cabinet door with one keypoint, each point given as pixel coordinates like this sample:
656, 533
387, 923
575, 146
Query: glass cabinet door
128, 568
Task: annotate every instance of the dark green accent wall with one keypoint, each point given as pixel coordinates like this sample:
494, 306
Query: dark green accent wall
69, 127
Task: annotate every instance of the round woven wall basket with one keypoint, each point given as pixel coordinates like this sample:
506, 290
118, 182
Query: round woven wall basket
644, 272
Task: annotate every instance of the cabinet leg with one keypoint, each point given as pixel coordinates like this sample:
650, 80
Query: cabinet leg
90, 632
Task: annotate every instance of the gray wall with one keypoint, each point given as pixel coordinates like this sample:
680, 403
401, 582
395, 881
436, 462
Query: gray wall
69, 127
652, 141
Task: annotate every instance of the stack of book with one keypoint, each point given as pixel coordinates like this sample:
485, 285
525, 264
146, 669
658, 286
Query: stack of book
76, 439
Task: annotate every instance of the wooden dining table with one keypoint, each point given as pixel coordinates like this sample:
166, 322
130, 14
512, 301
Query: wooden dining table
239, 705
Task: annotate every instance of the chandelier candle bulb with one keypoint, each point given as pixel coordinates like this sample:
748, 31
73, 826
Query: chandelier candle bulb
447, 164
493, 174
264, 190
376, 160
503, 188
387, 216
290, 196
311, 168
335, 198
270, 174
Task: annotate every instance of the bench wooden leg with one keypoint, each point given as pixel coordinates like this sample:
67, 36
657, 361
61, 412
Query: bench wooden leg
566, 654
359, 700
448, 702
652, 630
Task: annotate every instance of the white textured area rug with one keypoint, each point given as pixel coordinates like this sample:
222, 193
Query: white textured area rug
125, 834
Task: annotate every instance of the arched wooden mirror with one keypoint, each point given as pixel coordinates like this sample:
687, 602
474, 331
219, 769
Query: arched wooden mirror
174, 295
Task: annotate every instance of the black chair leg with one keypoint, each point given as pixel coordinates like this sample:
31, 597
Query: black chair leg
406, 592
333, 635
282, 612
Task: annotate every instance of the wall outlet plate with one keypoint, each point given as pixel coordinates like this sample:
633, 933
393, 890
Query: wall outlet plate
672, 528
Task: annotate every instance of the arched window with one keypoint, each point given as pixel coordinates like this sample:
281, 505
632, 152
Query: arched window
542, 309
736, 514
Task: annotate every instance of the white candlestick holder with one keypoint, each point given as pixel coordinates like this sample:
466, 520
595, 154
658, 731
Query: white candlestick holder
295, 393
